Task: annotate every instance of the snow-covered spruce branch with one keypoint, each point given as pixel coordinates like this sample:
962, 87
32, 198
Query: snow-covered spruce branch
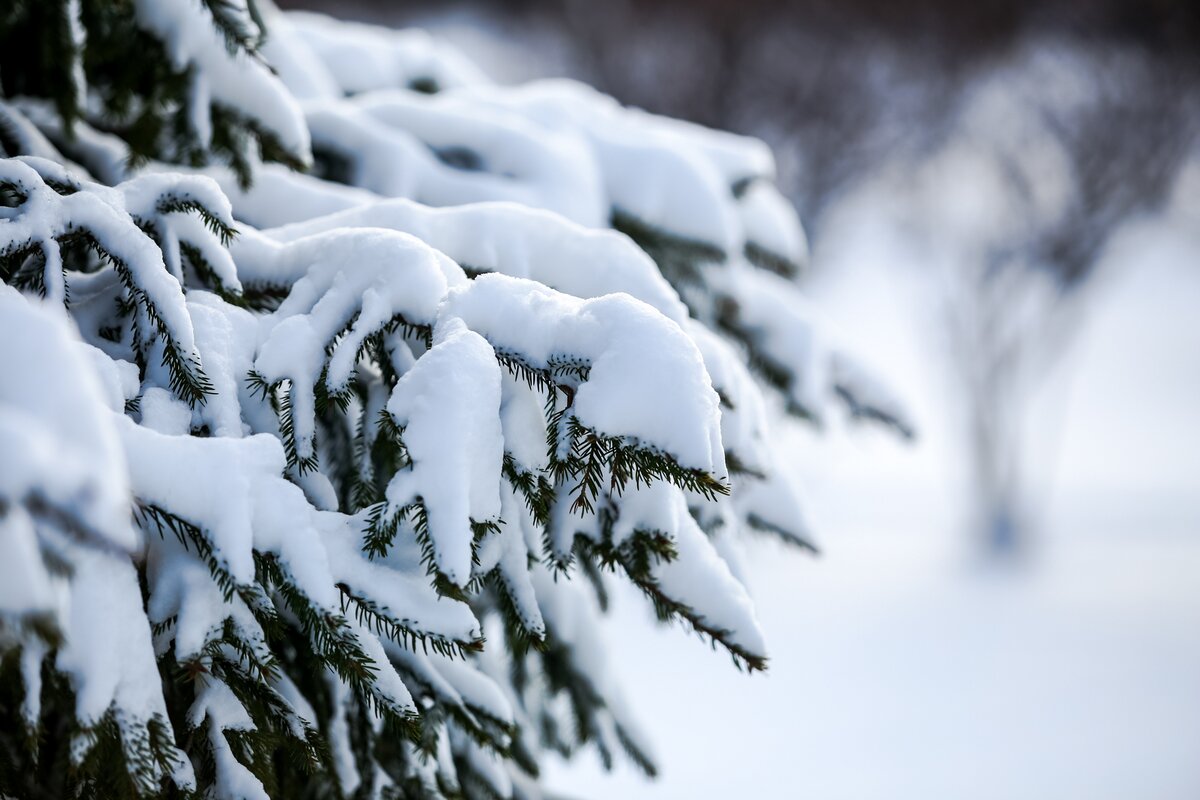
321, 491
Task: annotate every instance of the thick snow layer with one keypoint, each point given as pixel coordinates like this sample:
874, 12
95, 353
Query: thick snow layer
660, 395
295, 62
516, 240
108, 654
233, 778
148, 198
364, 57
25, 583
216, 701
775, 502
475, 689
362, 278
279, 196
164, 470
234, 80
510, 551
403, 145
59, 442
515, 186
448, 407
27, 136
668, 174
743, 411
524, 421
542, 167
182, 587
318, 261
571, 616
46, 215
226, 337
771, 222
36, 124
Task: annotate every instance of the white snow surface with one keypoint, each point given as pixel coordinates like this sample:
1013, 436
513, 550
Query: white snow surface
448, 406
361, 57
628, 385
670, 174
392, 141
236, 81
59, 442
516, 240
279, 196
108, 656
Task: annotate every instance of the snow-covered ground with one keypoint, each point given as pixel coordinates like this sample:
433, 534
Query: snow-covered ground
901, 667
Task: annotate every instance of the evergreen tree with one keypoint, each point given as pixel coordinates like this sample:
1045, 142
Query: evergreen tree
312, 484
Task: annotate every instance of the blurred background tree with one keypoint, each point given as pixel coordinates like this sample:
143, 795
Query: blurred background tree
1049, 153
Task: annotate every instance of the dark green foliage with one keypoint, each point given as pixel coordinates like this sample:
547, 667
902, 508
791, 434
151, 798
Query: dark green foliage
148, 517
208, 276
121, 761
241, 32
370, 615
680, 260
517, 635
188, 380
33, 32
763, 258
534, 487
334, 643
281, 400
594, 459
866, 411
562, 676
171, 204
636, 555
424, 85
594, 455
142, 99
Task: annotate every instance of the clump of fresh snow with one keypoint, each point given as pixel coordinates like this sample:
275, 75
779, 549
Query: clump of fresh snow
361, 57
59, 442
516, 240
233, 80
660, 397
448, 408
